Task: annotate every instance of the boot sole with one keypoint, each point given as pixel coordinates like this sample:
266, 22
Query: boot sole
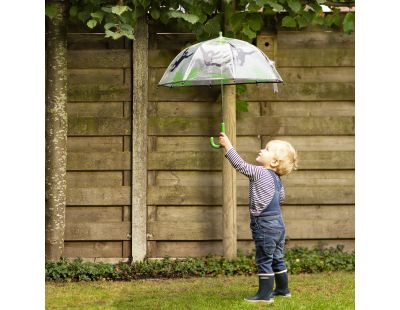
260, 300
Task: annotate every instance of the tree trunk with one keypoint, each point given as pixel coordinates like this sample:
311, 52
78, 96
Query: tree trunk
56, 133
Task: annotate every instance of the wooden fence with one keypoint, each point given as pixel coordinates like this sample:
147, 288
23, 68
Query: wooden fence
314, 110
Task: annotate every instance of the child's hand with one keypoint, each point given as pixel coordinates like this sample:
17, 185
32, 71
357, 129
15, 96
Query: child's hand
224, 140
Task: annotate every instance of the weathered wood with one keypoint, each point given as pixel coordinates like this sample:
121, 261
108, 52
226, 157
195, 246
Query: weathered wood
320, 39
189, 109
308, 91
99, 92
210, 195
212, 230
139, 140
94, 178
95, 144
317, 74
194, 160
99, 161
289, 212
98, 231
99, 59
99, 126
100, 196
95, 109
96, 76
79, 214
286, 57
213, 178
55, 132
168, 143
79, 41
229, 191
308, 108
253, 125
203, 248
92, 249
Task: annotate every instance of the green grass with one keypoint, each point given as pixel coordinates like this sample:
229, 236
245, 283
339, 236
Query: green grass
328, 290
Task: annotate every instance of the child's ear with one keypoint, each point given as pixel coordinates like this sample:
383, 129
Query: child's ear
274, 163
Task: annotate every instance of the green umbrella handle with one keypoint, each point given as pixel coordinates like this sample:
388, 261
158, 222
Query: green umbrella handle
217, 146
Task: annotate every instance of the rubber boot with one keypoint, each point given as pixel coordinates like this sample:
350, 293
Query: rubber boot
265, 287
281, 287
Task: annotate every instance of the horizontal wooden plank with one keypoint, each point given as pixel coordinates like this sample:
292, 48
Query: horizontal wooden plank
289, 213
315, 57
92, 249
100, 196
308, 108
308, 91
99, 92
212, 195
268, 108
182, 143
193, 160
317, 74
253, 125
95, 144
213, 178
202, 248
94, 178
253, 143
99, 126
103, 58
99, 161
79, 214
96, 76
98, 231
212, 230
320, 39
95, 109
190, 109
286, 57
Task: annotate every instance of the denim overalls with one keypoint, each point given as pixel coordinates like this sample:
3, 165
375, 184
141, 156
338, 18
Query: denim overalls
268, 232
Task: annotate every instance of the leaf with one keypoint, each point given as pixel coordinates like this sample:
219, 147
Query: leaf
98, 15
301, 21
348, 22
119, 9
275, 6
114, 35
294, 5
155, 13
289, 22
109, 25
237, 20
255, 22
50, 10
248, 32
91, 23
191, 18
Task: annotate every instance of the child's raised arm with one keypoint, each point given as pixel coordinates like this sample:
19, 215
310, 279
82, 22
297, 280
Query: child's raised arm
253, 172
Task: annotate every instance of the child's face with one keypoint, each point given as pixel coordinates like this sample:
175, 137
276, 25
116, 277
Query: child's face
265, 156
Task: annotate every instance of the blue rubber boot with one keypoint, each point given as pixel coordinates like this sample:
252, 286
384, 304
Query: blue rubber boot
281, 288
265, 287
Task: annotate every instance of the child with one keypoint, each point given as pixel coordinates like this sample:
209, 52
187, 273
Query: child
266, 192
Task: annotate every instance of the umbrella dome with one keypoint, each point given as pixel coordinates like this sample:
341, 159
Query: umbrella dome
220, 61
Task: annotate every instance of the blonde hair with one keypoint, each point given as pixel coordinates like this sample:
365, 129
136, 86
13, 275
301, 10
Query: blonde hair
286, 156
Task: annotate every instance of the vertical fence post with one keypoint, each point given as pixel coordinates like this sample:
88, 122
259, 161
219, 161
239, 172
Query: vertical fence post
139, 140
229, 176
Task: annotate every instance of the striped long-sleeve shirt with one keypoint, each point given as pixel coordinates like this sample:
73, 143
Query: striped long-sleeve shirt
261, 183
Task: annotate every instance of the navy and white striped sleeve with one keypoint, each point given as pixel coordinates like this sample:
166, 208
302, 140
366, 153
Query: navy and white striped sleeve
253, 172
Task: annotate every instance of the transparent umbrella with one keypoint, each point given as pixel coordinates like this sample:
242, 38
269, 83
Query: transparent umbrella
220, 61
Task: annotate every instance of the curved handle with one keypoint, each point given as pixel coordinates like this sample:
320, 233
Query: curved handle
214, 145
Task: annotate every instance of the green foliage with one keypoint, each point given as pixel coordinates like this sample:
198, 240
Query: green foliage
205, 18
298, 260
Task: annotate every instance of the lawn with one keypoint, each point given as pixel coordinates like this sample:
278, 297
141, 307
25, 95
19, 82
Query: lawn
334, 290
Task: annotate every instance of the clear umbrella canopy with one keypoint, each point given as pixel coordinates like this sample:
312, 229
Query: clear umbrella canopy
220, 61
